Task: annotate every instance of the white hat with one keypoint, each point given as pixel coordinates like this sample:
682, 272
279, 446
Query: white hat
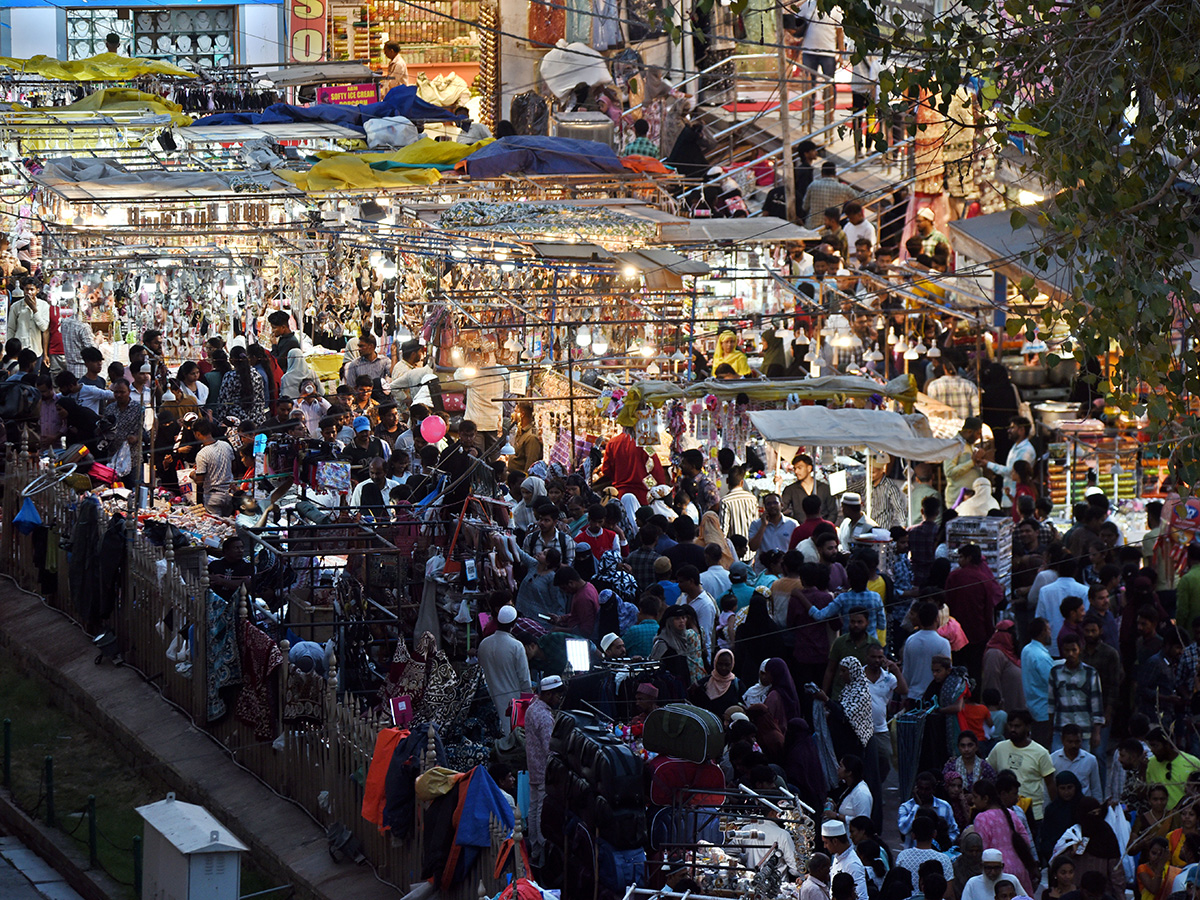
993, 856
1093, 491
852, 498
833, 828
925, 213
550, 683
507, 615
608, 640
739, 717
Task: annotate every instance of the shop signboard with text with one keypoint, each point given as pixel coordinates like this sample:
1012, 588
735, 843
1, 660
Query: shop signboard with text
348, 94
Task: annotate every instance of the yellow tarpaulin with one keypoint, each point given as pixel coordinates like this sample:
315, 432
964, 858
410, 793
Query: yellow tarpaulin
118, 99
102, 67
422, 152
345, 172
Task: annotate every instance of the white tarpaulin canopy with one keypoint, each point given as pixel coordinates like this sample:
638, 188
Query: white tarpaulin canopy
908, 437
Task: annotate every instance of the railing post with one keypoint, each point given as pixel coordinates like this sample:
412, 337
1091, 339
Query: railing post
8, 753
50, 791
137, 865
93, 857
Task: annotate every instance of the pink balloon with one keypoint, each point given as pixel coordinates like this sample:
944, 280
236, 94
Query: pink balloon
433, 429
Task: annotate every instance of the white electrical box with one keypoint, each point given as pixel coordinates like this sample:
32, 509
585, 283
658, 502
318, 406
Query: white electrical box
187, 854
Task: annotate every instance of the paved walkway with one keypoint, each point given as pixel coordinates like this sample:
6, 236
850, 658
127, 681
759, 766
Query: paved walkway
26, 876
284, 840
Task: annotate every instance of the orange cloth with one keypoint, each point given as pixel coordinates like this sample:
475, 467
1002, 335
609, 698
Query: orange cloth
374, 793
637, 163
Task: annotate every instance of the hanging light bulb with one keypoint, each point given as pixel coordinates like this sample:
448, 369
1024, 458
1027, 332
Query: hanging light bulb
583, 337
875, 355
599, 343
901, 345
810, 356
653, 368
920, 347
388, 269
678, 356
648, 350
911, 353
891, 336
934, 353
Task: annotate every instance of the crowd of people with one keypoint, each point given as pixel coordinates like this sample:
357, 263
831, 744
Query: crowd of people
1043, 730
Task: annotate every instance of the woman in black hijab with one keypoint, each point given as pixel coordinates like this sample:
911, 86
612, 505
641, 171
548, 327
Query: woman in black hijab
1102, 853
755, 640
687, 156
997, 405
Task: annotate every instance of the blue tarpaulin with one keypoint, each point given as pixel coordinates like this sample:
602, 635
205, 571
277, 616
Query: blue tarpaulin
400, 101
542, 156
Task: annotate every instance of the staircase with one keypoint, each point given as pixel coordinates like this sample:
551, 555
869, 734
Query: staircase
739, 104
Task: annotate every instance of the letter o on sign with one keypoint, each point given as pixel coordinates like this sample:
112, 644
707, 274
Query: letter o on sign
308, 45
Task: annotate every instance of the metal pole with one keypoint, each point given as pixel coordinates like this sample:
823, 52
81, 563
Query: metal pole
785, 115
93, 857
137, 864
50, 791
571, 392
8, 753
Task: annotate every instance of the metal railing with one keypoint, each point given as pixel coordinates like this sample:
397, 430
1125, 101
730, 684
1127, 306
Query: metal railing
318, 763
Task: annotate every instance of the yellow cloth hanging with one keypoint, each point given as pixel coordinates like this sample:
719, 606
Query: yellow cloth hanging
423, 152
347, 172
102, 67
118, 99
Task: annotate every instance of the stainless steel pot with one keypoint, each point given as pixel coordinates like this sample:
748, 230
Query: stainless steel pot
1029, 376
1052, 412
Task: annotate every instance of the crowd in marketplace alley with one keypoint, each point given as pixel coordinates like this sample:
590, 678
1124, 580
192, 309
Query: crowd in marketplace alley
695, 524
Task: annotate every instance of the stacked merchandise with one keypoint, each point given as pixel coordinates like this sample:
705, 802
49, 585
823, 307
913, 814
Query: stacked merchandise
994, 535
594, 782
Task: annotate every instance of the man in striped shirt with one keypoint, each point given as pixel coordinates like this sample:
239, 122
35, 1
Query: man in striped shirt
1075, 695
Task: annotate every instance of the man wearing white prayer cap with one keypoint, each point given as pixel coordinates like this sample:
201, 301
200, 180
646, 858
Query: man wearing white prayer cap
854, 523
841, 851
539, 722
983, 887
505, 665
613, 646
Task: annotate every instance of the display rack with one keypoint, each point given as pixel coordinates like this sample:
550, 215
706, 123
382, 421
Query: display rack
435, 36
993, 535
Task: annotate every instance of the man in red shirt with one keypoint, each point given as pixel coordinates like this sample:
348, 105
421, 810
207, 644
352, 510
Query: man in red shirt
811, 506
596, 536
626, 465
585, 604
54, 343
972, 595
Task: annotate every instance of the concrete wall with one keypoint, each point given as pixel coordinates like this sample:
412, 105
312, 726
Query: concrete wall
260, 35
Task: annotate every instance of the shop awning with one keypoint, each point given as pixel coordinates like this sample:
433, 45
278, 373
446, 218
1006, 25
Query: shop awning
720, 231
290, 131
908, 437
103, 181
901, 388
320, 73
991, 240
582, 250
650, 259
